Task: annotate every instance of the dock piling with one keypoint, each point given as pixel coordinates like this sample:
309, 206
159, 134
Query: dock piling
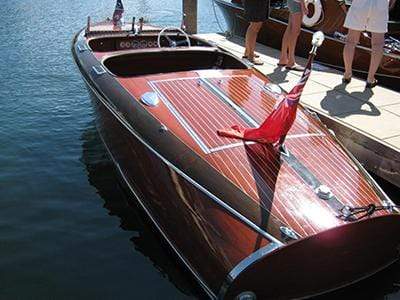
189, 8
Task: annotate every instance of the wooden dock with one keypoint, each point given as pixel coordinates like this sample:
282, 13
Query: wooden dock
366, 121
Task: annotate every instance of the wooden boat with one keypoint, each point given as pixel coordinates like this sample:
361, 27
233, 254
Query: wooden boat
249, 220
327, 16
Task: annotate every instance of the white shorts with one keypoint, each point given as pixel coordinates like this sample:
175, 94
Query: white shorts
368, 15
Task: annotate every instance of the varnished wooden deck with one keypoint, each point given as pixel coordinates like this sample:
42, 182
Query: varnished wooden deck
367, 122
192, 110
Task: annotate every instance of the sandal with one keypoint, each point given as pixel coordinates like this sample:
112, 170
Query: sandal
295, 68
372, 84
255, 56
255, 61
346, 80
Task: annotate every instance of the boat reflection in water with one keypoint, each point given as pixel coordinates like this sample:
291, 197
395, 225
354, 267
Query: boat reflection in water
327, 16
103, 176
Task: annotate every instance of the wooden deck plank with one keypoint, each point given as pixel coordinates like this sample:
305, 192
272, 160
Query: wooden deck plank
367, 122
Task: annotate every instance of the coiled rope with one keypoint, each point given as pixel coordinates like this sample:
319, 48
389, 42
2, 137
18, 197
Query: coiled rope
348, 213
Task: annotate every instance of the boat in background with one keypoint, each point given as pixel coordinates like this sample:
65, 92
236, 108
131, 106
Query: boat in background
241, 215
327, 16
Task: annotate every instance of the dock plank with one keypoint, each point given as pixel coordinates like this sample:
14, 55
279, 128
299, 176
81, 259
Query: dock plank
380, 124
366, 121
395, 141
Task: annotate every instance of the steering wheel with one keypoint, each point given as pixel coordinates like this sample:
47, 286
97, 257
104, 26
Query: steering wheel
172, 43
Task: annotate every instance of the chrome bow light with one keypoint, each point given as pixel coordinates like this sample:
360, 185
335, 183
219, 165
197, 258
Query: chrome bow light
317, 40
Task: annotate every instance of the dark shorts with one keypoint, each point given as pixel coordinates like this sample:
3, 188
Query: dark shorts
294, 6
255, 10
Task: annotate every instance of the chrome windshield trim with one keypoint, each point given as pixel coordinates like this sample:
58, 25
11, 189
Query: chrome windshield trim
244, 264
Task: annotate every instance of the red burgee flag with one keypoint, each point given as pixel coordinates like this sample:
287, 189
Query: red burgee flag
117, 16
278, 123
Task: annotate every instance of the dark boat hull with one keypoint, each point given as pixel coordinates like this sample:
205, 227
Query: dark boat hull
330, 53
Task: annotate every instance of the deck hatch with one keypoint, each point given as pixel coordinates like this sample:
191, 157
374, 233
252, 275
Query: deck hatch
200, 111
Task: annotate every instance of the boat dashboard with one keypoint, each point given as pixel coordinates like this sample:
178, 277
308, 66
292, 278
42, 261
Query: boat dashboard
142, 41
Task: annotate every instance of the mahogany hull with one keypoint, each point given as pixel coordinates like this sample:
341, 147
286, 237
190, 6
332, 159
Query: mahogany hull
228, 238
330, 53
189, 219
173, 203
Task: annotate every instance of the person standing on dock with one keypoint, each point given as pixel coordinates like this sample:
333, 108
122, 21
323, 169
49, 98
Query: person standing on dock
297, 9
256, 13
372, 16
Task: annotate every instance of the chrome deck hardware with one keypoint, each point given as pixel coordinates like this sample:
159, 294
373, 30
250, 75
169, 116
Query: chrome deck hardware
288, 232
163, 128
150, 99
324, 192
98, 70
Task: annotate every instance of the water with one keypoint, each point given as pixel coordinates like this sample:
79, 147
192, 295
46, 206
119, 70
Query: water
66, 228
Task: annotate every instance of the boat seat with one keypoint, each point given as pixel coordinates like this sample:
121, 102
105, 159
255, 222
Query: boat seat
167, 60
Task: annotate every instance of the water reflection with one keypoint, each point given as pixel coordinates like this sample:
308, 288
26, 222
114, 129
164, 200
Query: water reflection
103, 176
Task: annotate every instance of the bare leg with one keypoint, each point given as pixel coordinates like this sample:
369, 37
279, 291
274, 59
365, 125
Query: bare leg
352, 39
377, 42
247, 38
295, 21
285, 45
251, 38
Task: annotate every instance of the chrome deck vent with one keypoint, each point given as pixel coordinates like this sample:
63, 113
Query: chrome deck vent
288, 232
324, 192
150, 99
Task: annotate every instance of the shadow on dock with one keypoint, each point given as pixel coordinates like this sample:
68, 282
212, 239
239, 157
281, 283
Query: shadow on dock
333, 100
